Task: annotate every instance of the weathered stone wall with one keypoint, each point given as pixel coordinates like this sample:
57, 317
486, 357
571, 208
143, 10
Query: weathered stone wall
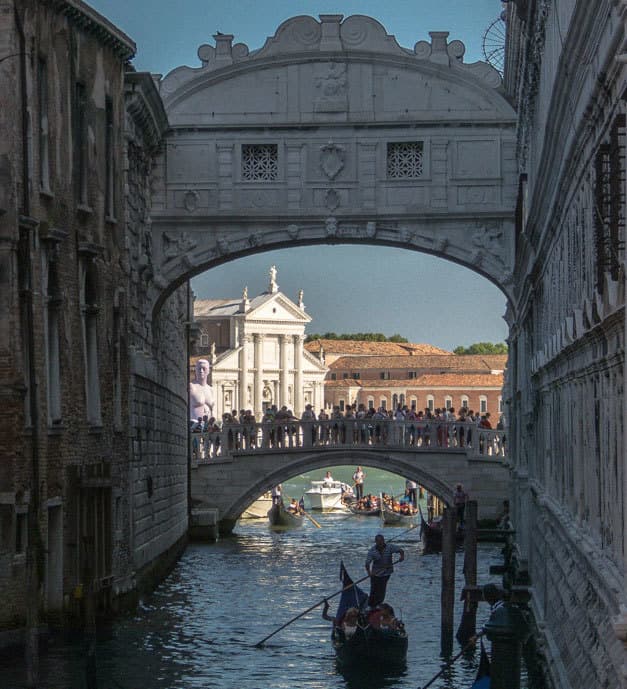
567, 348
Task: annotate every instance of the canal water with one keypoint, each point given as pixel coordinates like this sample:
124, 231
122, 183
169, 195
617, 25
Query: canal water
200, 627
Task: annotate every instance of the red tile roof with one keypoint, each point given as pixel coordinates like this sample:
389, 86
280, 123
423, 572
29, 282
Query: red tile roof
366, 348
470, 363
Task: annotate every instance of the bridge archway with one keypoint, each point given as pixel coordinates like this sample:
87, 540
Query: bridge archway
333, 133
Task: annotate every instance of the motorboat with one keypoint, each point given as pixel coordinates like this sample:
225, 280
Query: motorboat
329, 495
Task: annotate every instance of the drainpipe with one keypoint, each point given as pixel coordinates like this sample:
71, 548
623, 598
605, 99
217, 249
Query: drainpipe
34, 552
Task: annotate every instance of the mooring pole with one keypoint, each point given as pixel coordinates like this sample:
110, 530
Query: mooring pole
468, 624
448, 580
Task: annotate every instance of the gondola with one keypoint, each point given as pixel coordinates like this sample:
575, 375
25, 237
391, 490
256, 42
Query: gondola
431, 533
368, 648
391, 518
279, 517
370, 512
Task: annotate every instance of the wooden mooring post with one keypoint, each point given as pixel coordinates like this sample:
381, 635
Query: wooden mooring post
448, 580
468, 624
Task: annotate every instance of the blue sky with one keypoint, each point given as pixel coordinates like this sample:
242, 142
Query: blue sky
347, 288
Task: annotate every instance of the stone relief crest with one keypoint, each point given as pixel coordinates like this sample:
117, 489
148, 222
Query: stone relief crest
292, 231
255, 239
332, 159
222, 246
332, 87
332, 199
175, 244
330, 227
371, 229
190, 201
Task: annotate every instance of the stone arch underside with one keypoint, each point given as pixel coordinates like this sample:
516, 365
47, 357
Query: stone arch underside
232, 486
333, 133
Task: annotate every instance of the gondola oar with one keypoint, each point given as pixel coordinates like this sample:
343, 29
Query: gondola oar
259, 644
311, 519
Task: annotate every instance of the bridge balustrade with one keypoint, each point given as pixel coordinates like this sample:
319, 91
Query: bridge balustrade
421, 436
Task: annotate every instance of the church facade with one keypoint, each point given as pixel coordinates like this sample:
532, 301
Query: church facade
256, 351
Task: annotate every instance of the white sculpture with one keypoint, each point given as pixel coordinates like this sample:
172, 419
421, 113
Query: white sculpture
200, 392
273, 284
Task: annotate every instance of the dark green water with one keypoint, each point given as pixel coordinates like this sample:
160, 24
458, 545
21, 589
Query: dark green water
199, 628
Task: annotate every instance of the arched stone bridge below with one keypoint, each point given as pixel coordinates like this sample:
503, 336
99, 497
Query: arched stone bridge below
232, 468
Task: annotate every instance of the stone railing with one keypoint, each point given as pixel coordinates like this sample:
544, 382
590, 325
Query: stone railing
374, 434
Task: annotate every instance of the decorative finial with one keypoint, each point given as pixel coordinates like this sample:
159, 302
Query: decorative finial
273, 284
245, 294
213, 353
245, 303
300, 299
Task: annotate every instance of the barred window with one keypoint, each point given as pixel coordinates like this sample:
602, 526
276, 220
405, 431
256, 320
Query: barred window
260, 162
404, 159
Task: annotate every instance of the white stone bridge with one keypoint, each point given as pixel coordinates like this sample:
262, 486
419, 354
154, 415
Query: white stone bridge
233, 467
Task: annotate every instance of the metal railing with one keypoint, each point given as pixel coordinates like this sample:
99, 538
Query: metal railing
279, 436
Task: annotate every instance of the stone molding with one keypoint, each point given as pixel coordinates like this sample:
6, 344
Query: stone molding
357, 34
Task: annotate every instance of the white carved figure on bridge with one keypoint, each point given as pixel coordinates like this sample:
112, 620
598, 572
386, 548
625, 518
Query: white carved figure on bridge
201, 398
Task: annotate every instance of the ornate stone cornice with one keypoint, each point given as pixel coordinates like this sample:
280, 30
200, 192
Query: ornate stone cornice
86, 18
144, 105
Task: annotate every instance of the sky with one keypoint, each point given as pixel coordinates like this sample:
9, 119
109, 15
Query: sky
347, 288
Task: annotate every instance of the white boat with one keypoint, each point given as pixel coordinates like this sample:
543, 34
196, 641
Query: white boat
326, 496
259, 508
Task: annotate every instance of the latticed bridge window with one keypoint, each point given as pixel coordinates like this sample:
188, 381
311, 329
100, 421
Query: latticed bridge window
404, 159
260, 162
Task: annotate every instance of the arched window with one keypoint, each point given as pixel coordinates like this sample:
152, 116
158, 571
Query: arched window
370, 402
464, 402
483, 404
448, 401
413, 403
430, 402
500, 404
384, 403
401, 400
394, 401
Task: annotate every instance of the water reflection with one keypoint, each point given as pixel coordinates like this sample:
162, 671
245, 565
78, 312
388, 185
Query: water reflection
198, 630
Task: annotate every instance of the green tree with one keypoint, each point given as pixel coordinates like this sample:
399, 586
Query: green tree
367, 337
482, 348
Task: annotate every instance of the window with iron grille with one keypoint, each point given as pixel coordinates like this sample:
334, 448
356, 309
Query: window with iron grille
404, 160
260, 162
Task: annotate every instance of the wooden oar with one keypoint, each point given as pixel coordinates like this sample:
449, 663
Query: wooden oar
259, 644
312, 520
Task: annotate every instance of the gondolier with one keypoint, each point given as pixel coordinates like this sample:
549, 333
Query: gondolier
358, 478
379, 567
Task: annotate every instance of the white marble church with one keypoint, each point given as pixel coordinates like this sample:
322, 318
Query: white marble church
255, 347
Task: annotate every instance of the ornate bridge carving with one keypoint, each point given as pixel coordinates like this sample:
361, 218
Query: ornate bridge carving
332, 132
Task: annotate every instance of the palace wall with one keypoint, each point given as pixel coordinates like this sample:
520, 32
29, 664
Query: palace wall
566, 366
82, 424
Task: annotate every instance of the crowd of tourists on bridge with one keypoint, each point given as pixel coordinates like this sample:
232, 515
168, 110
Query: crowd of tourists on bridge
357, 425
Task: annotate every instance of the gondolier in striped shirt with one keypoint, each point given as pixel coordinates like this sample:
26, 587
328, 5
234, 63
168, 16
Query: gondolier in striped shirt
379, 567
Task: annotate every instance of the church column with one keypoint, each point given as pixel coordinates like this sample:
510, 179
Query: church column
283, 369
243, 376
258, 385
298, 375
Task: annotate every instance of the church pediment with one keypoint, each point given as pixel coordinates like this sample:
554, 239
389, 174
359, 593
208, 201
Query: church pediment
277, 308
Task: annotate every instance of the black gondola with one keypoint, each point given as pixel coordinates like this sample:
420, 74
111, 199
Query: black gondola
279, 517
364, 512
431, 533
367, 647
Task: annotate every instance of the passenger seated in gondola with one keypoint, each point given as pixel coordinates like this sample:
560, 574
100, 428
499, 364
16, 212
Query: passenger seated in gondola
383, 618
349, 622
293, 506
